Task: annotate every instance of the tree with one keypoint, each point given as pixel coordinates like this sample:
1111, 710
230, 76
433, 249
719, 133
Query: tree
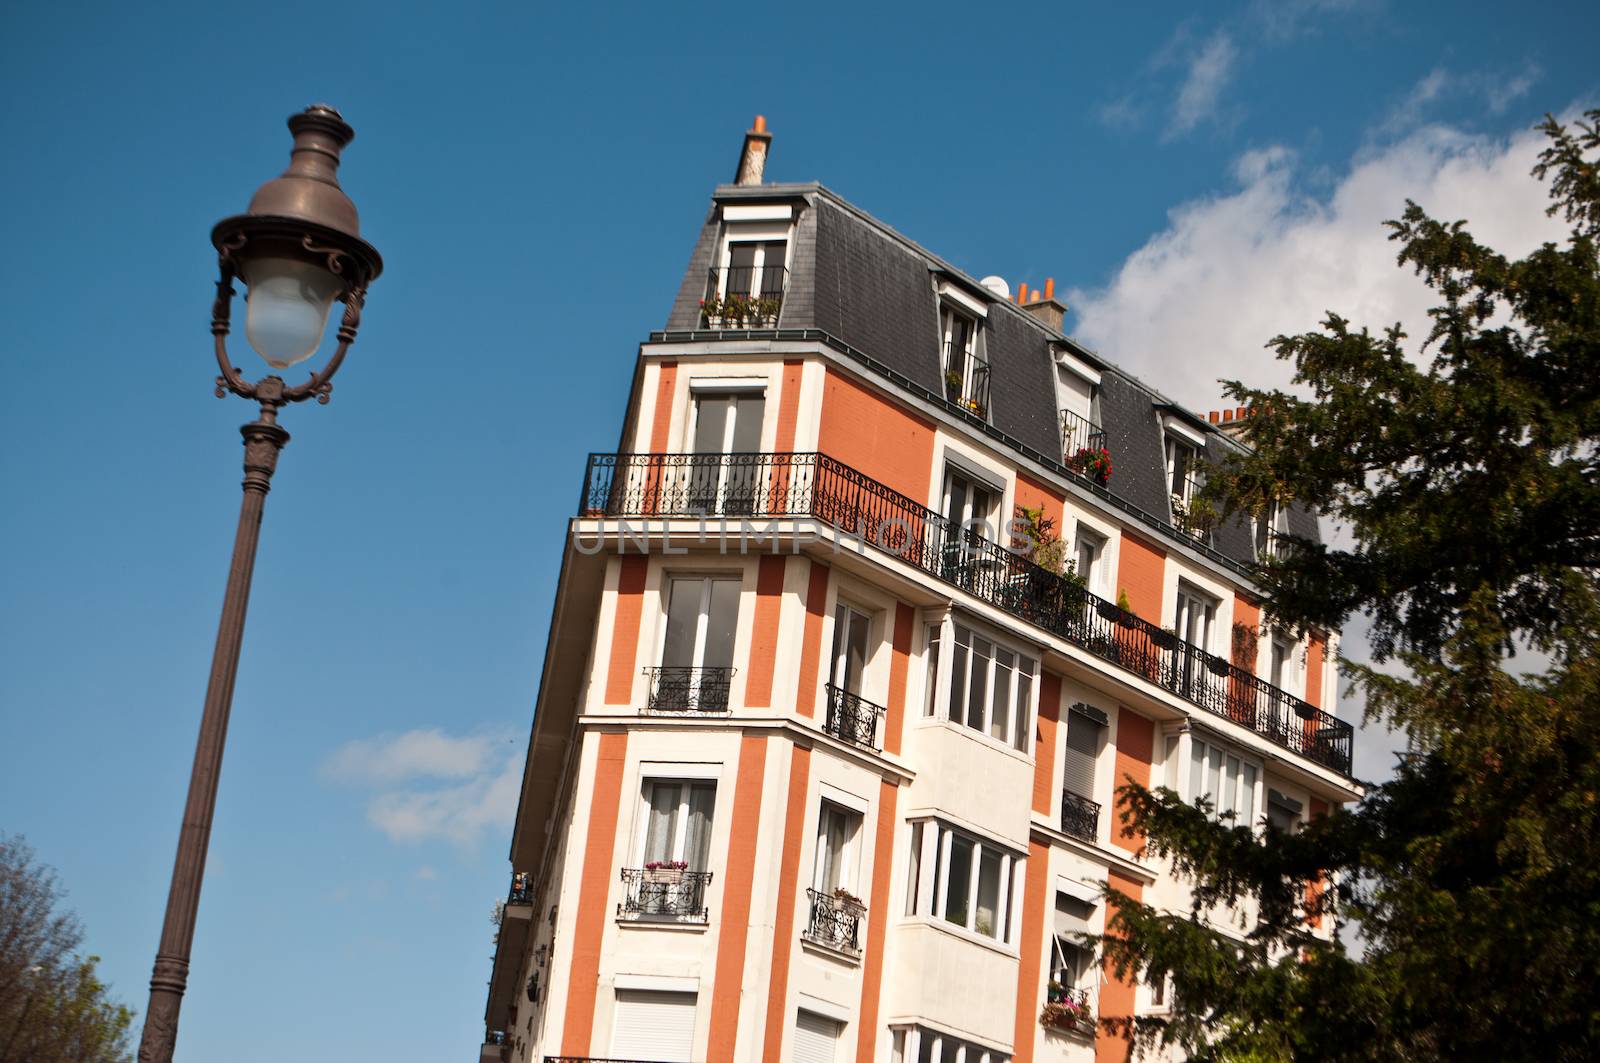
1469, 484
53, 1007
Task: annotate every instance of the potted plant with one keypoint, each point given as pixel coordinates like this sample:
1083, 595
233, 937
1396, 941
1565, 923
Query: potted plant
952, 383
1218, 665
666, 871
846, 898
1093, 462
1067, 1013
1304, 710
1165, 639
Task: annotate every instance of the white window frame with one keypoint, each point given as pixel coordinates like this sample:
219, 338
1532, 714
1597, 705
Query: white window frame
1248, 800
853, 614
721, 390
703, 621
1023, 714
933, 891
905, 1046
680, 832
758, 233
1095, 577
1185, 490
1271, 529
849, 856
1188, 597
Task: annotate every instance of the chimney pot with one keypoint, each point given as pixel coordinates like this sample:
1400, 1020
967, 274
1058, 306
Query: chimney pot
1242, 412
1022, 294
753, 157
1049, 287
1213, 417
1227, 415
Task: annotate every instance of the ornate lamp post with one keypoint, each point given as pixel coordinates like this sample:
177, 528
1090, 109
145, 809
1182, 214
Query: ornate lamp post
298, 250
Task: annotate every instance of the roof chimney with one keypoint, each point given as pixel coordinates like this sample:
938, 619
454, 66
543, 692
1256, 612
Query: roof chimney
753, 159
1043, 305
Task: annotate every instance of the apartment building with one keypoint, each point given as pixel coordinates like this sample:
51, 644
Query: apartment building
824, 754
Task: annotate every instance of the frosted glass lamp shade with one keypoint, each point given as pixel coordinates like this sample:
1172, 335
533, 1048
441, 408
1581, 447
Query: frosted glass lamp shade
287, 308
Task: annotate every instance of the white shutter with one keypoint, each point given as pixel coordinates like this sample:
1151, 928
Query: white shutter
815, 1038
655, 1026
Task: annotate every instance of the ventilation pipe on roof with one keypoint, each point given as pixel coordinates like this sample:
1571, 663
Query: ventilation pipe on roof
753, 158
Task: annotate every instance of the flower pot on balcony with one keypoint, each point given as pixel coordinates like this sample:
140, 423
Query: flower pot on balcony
1305, 711
1166, 640
1218, 665
666, 874
1107, 610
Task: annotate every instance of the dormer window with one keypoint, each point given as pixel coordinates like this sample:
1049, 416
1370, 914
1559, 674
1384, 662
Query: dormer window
1181, 470
746, 285
966, 373
1272, 530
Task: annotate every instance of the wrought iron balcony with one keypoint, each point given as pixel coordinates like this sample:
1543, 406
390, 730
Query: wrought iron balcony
1080, 817
818, 487
665, 893
852, 718
1193, 514
835, 921
1077, 434
688, 690
743, 297
521, 892
966, 380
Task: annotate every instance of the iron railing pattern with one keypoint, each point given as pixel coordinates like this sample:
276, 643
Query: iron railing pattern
521, 891
743, 297
688, 690
835, 922
1080, 817
664, 893
852, 718
817, 486
966, 380
1079, 433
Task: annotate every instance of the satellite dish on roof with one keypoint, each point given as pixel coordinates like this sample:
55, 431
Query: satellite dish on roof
998, 286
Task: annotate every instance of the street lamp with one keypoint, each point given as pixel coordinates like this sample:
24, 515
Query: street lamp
298, 249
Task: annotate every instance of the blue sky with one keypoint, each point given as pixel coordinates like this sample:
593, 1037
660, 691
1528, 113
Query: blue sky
534, 176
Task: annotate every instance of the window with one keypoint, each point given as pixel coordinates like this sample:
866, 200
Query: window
1223, 778
650, 1025
850, 630
816, 1038
918, 1044
1283, 811
930, 697
1070, 961
966, 373
678, 822
725, 423
1088, 550
970, 505
991, 688
1196, 616
1271, 527
1181, 469
1086, 736
971, 883
701, 617
747, 292
838, 831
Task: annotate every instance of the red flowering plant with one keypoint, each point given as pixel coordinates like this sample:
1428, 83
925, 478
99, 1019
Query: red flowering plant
1066, 1010
666, 865
1093, 462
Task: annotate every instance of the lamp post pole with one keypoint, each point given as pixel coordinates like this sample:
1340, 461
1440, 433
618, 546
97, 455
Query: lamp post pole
298, 249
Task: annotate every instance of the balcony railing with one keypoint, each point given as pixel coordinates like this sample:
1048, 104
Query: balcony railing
688, 690
1080, 817
1193, 514
1079, 433
521, 891
852, 718
664, 893
835, 921
743, 297
816, 486
966, 380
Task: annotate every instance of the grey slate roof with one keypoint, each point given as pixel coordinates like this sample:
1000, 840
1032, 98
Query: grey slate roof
873, 289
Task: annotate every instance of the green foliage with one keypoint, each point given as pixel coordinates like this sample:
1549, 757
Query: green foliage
53, 1006
1470, 489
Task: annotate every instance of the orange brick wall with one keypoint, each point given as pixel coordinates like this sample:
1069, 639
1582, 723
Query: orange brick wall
874, 436
625, 630
764, 632
578, 1025
1141, 572
1116, 995
1135, 744
1315, 658
1035, 898
1045, 799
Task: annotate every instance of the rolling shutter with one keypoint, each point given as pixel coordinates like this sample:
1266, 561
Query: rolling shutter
655, 1026
815, 1038
1085, 737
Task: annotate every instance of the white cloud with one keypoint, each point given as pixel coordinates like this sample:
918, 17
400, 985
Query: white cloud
1201, 298
1497, 91
1209, 71
434, 786
415, 754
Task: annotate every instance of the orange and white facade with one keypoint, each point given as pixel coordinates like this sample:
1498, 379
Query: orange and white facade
817, 773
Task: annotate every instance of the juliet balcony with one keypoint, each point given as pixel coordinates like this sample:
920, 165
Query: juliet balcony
688, 691
667, 892
1080, 437
852, 718
1080, 817
835, 922
743, 297
767, 485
